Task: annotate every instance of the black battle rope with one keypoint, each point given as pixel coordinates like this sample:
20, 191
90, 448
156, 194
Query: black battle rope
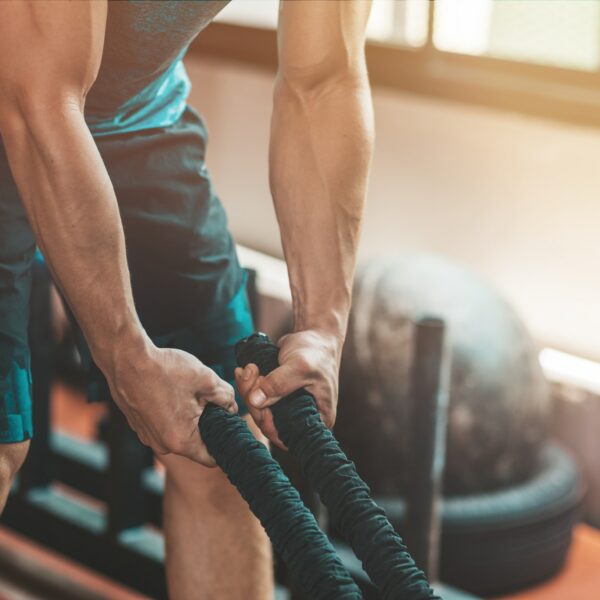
295, 535
351, 508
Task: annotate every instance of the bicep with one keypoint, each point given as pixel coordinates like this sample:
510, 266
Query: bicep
320, 38
49, 48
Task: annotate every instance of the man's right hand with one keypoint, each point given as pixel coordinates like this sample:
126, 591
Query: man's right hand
162, 393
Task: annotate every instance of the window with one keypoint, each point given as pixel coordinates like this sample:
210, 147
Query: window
254, 13
561, 33
540, 57
394, 21
404, 23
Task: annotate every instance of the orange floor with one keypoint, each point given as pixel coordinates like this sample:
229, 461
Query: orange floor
580, 578
51, 565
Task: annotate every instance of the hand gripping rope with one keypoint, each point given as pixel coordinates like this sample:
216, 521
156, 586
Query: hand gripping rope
294, 533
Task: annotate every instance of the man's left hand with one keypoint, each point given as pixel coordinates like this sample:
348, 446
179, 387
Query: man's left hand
308, 359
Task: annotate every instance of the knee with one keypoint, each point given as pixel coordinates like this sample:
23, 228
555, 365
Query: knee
202, 486
196, 485
12, 457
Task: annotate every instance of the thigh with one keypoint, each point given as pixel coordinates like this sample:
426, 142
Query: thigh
17, 250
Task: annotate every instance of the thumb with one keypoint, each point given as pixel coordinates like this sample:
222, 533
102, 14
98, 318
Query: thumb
269, 389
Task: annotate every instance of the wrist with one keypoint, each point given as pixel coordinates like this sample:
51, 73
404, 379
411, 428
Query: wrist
331, 324
127, 347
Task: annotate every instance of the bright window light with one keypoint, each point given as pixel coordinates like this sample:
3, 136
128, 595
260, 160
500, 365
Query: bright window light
567, 368
403, 23
563, 33
254, 13
462, 26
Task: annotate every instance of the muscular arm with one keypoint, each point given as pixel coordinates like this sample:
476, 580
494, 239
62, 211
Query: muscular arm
321, 145
61, 178
50, 53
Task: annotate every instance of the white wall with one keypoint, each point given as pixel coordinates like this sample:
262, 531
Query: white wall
515, 198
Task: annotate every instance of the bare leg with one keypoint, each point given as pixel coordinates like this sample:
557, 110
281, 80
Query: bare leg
216, 548
12, 456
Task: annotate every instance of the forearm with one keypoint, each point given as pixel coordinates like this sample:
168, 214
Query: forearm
321, 146
72, 209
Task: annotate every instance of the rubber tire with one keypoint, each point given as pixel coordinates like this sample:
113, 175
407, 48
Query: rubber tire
502, 541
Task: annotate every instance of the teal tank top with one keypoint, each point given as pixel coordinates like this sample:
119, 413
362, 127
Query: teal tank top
142, 83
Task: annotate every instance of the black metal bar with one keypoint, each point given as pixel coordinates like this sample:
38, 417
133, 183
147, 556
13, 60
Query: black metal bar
37, 469
128, 458
252, 292
426, 444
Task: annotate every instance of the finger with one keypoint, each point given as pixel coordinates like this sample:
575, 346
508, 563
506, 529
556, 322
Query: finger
328, 418
196, 450
324, 398
211, 388
267, 426
270, 389
263, 417
257, 414
221, 394
201, 456
246, 378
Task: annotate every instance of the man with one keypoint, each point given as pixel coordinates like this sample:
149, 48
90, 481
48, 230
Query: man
101, 166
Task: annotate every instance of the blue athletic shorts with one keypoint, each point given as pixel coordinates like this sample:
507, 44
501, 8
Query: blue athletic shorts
188, 286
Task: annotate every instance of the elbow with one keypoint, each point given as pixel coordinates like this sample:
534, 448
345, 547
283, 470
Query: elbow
312, 84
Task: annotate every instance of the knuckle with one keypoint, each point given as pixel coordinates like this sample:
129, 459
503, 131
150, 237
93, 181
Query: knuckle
308, 365
226, 398
303, 362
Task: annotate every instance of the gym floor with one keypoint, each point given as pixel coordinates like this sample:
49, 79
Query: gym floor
578, 579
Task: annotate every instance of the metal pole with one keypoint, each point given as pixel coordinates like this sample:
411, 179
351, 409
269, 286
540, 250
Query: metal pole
128, 458
427, 440
37, 470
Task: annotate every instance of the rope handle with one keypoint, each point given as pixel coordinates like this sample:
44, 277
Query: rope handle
352, 511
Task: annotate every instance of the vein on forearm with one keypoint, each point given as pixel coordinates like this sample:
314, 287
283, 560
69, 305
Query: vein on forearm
73, 211
320, 156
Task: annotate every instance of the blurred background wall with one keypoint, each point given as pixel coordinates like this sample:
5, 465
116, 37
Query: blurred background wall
514, 197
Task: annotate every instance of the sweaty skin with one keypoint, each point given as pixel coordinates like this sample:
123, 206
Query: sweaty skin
321, 147
50, 54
